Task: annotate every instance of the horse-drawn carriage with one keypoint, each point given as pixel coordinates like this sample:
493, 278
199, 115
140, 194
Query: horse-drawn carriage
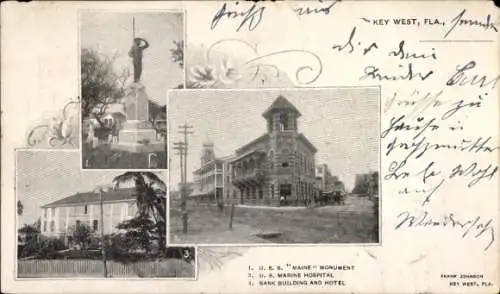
335, 197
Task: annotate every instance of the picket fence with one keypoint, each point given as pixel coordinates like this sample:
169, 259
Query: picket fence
95, 268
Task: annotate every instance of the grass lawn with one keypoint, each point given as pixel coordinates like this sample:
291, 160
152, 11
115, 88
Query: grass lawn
208, 225
103, 157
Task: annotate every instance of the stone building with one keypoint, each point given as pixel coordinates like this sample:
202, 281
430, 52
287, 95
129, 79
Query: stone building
278, 165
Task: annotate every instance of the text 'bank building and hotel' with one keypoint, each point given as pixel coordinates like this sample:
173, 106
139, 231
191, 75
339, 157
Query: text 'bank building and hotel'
279, 166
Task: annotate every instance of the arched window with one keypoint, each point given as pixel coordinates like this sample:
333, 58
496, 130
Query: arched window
285, 158
284, 122
271, 159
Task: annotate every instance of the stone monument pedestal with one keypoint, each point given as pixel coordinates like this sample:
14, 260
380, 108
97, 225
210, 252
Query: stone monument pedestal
137, 134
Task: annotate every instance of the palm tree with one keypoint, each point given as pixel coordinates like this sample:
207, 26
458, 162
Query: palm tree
151, 199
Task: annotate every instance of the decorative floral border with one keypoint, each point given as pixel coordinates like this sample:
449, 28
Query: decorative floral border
60, 132
227, 74
214, 258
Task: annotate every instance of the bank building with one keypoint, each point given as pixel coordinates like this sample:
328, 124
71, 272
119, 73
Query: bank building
276, 168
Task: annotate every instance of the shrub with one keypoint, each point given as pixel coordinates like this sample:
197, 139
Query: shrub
50, 247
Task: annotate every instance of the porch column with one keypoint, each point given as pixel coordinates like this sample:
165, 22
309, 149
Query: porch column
110, 217
56, 221
67, 219
91, 216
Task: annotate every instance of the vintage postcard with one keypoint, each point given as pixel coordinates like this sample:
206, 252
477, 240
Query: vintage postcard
320, 146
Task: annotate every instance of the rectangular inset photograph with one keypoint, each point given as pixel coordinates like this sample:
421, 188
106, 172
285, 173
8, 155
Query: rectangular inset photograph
127, 63
92, 224
274, 166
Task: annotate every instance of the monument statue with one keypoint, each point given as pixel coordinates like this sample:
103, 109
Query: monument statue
137, 134
138, 45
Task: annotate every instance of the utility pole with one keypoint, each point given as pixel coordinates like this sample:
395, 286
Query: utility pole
133, 28
185, 130
181, 150
103, 245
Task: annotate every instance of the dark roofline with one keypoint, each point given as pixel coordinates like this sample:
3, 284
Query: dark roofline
214, 161
273, 106
307, 142
254, 141
246, 154
79, 198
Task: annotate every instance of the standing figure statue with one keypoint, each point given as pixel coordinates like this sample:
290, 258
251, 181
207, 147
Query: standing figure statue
135, 53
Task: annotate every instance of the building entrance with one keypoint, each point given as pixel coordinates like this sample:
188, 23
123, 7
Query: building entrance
285, 193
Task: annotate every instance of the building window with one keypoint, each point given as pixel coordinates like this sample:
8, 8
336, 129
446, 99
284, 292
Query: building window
283, 122
261, 193
85, 209
284, 158
234, 194
45, 226
132, 209
62, 225
52, 226
271, 159
271, 187
95, 225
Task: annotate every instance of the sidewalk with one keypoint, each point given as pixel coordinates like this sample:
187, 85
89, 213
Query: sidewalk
240, 234
271, 207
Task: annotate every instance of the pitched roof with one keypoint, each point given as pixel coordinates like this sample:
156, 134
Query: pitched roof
92, 197
255, 141
247, 154
281, 103
307, 142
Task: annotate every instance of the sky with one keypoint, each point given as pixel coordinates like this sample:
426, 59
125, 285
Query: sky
110, 33
342, 123
46, 176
